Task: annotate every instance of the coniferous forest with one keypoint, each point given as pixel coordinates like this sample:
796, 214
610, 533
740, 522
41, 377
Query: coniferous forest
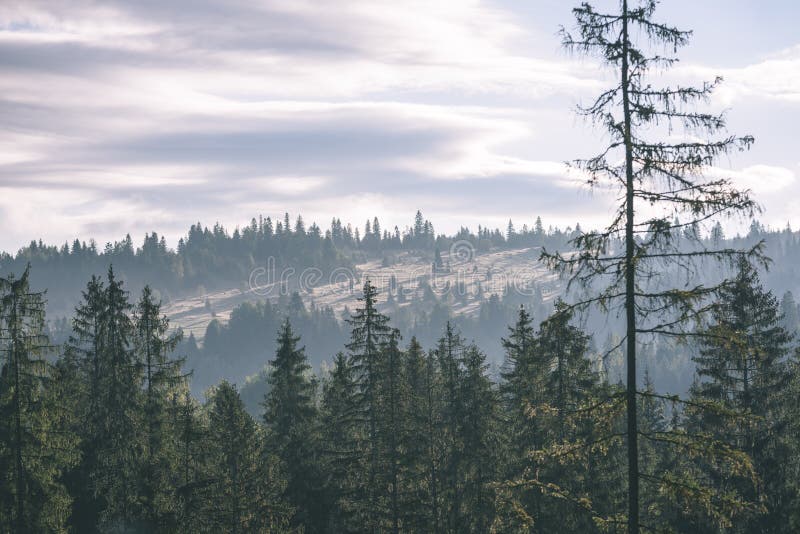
102, 433
410, 418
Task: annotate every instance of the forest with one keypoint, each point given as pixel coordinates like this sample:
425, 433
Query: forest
402, 417
396, 436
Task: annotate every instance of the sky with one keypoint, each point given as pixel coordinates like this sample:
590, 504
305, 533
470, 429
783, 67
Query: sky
130, 117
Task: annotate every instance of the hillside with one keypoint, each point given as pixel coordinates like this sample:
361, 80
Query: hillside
464, 280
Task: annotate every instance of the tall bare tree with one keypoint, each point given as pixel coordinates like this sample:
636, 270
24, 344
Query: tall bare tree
659, 151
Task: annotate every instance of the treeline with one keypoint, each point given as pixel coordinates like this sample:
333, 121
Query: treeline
208, 259
214, 258
101, 434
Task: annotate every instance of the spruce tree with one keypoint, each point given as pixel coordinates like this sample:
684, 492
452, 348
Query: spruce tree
81, 370
120, 444
34, 446
562, 348
105, 390
521, 378
550, 390
393, 397
191, 460
343, 446
522, 387
154, 345
420, 442
369, 334
479, 416
290, 416
744, 368
450, 354
246, 485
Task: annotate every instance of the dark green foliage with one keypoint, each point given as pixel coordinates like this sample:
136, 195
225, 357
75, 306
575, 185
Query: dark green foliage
162, 382
108, 398
400, 440
290, 418
745, 371
467, 425
419, 442
369, 335
190, 461
558, 413
121, 383
35, 446
342, 445
244, 480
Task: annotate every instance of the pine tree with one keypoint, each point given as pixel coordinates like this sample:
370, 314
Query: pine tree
392, 400
104, 380
522, 383
189, 439
290, 416
521, 390
562, 348
370, 332
449, 354
550, 392
343, 440
120, 416
162, 377
480, 444
246, 485
420, 443
81, 371
744, 369
34, 446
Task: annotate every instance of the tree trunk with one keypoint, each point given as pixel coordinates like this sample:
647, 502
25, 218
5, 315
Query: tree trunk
630, 301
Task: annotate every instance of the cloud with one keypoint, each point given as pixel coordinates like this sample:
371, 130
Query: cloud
760, 179
776, 76
149, 115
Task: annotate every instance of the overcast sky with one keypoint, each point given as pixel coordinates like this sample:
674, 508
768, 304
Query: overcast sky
148, 115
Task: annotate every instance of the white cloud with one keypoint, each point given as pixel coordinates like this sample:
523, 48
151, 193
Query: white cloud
760, 179
776, 76
129, 108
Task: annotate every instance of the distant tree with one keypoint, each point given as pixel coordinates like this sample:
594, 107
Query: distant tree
419, 225
789, 313
438, 264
